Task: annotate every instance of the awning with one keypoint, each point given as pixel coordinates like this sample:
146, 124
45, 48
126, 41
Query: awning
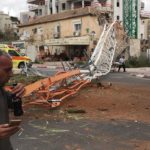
84, 40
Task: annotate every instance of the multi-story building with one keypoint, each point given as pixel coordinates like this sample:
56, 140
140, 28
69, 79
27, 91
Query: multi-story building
72, 31
26, 17
5, 22
46, 7
8, 23
145, 42
39, 7
15, 22
132, 19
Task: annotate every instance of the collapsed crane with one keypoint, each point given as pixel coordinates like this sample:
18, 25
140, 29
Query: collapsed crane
52, 91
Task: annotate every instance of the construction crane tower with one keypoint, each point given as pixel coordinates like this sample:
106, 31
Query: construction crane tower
130, 17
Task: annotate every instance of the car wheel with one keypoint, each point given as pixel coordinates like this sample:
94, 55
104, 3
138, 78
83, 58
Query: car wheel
21, 65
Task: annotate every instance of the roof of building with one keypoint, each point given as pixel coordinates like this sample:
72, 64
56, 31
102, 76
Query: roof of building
14, 19
62, 16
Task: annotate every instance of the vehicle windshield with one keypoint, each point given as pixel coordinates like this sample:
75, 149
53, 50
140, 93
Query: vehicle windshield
13, 53
19, 45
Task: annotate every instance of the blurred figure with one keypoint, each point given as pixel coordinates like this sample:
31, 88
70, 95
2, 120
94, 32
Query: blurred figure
122, 64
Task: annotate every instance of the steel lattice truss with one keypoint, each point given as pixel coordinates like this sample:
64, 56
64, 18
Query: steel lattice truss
102, 57
130, 17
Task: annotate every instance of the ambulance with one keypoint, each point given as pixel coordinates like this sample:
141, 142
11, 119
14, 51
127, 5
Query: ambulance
18, 60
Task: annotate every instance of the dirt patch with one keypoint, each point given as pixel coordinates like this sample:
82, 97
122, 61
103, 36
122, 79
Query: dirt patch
123, 102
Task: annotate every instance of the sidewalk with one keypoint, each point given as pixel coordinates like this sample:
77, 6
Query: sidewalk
143, 72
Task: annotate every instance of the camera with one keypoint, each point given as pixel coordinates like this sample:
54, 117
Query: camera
17, 104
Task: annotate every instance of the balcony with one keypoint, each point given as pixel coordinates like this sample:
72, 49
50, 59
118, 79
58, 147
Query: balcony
36, 2
145, 14
76, 33
32, 7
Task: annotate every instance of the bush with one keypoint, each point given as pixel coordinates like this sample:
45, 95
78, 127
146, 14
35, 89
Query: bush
141, 61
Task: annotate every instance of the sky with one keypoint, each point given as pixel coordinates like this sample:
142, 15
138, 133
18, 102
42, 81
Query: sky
147, 5
14, 7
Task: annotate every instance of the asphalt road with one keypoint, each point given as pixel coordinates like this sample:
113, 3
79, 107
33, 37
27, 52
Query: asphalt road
83, 134
125, 78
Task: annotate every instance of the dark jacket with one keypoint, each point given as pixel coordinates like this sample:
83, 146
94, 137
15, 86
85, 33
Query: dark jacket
5, 104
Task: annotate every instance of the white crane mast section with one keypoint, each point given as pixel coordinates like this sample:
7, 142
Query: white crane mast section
101, 60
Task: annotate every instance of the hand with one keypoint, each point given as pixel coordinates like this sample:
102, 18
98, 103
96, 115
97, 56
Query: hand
18, 90
7, 131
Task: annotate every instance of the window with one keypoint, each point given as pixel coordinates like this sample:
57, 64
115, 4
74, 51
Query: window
40, 12
19, 45
142, 36
51, 11
57, 28
118, 4
13, 53
57, 9
34, 30
63, 6
118, 17
77, 27
57, 31
142, 5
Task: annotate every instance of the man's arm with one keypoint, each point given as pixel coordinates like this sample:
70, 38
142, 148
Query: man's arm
18, 90
7, 131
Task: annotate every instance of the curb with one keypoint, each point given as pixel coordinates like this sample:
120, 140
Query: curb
141, 75
50, 67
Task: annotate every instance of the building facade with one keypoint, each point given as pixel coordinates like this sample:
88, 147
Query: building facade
47, 7
26, 17
5, 22
71, 31
132, 19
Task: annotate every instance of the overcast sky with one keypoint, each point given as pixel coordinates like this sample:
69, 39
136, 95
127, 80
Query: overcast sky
14, 7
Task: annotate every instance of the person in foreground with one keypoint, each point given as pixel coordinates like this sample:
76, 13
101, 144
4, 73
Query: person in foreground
6, 101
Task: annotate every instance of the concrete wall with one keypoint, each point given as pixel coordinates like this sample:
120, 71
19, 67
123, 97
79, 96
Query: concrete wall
135, 48
146, 28
142, 28
118, 11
